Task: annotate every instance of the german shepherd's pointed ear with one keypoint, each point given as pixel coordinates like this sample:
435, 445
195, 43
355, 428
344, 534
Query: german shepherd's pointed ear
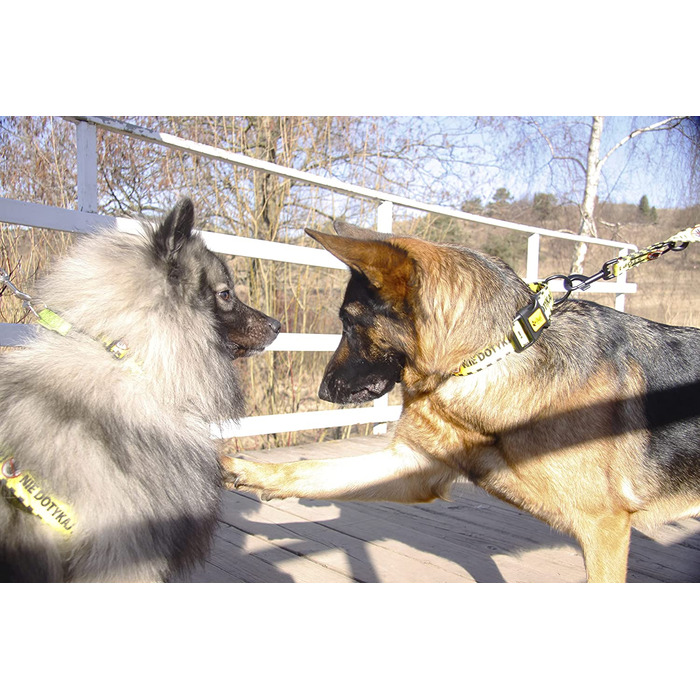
175, 231
387, 267
363, 234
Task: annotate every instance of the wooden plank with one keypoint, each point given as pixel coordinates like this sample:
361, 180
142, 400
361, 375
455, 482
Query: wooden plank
432, 543
229, 562
276, 551
267, 537
329, 541
670, 552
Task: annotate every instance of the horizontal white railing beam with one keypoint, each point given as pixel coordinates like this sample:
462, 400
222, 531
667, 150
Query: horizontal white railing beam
13, 211
21, 334
270, 250
309, 420
328, 183
16, 335
323, 342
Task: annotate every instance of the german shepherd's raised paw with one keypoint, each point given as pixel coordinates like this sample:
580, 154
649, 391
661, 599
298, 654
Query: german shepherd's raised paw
254, 477
592, 429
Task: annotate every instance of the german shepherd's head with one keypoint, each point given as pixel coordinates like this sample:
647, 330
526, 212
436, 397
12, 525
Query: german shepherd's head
413, 311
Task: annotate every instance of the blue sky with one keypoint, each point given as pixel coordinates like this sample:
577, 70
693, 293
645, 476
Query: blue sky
651, 164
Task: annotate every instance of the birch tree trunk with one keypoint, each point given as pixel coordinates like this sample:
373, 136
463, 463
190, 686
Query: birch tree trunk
593, 169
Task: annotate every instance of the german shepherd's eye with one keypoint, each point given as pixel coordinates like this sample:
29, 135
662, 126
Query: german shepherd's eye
225, 295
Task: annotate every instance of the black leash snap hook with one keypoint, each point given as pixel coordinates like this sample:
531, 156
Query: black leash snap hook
583, 283
574, 283
568, 285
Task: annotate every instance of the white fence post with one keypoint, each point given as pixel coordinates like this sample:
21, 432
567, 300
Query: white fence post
621, 279
533, 258
86, 140
385, 217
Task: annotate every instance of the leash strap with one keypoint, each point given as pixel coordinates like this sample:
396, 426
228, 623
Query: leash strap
679, 242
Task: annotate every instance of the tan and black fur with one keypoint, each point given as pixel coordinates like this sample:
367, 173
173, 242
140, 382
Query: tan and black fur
593, 429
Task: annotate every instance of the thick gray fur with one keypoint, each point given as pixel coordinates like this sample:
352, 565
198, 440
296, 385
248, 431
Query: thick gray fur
129, 451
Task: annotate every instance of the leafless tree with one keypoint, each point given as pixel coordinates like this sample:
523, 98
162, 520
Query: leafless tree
594, 165
571, 149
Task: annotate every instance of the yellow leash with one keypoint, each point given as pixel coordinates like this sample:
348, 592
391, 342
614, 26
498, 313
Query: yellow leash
118, 349
531, 320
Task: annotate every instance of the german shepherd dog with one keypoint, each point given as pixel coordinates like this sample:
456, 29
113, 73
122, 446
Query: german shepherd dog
109, 470
593, 428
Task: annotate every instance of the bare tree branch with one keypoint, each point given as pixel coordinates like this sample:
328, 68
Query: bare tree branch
663, 125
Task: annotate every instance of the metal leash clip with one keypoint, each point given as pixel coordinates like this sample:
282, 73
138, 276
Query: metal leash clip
5, 278
45, 316
612, 268
27, 301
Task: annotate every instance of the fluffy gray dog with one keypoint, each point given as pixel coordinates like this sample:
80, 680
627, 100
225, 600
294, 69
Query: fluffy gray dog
109, 472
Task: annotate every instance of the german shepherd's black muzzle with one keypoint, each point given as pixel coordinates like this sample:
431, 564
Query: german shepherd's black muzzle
353, 378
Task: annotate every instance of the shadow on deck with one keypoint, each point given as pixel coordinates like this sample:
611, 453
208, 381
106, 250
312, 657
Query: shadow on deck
473, 538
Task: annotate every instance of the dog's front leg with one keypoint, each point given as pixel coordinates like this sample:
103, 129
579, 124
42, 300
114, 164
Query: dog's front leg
398, 473
605, 541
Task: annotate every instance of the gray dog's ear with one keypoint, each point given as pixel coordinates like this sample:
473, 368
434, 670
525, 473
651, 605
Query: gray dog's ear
175, 231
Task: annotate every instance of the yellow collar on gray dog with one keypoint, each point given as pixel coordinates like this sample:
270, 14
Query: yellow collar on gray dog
52, 321
118, 349
26, 493
527, 327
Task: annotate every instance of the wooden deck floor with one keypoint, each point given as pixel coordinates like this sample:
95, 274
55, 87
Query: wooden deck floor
473, 538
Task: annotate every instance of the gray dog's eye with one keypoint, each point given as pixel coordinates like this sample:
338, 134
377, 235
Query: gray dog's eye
225, 295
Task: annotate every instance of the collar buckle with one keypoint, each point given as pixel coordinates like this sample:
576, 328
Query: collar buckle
532, 319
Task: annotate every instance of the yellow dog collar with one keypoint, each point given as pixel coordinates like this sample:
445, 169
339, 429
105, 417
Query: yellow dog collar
527, 327
29, 495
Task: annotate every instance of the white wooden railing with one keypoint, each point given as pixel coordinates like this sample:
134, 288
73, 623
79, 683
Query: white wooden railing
86, 220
